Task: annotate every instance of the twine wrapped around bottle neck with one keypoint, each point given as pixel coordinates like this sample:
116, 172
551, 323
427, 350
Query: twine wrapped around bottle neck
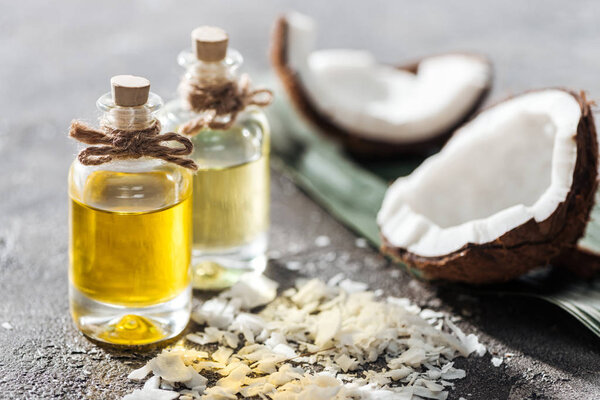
132, 144
220, 102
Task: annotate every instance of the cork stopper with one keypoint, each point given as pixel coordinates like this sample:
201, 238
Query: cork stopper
129, 90
210, 43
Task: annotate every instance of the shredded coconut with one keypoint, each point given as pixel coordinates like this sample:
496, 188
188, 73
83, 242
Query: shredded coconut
361, 243
293, 265
363, 347
322, 241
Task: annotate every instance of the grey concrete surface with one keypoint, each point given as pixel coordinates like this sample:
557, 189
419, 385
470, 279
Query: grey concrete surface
55, 60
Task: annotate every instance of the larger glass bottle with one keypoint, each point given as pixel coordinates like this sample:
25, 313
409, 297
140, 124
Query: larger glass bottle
231, 187
130, 239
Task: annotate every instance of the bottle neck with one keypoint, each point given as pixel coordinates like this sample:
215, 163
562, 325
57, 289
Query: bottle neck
204, 74
207, 74
129, 118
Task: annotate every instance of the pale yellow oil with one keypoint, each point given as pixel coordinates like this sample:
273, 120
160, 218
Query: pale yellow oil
130, 246
231, 205
231, 196
132, 330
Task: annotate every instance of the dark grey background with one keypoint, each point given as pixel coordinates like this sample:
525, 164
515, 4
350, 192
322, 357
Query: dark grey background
55, 60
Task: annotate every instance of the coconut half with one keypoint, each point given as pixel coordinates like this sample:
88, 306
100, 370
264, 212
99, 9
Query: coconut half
377, 109
510, 191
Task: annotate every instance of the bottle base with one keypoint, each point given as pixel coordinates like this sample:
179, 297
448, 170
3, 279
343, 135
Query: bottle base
130, 326
216, 270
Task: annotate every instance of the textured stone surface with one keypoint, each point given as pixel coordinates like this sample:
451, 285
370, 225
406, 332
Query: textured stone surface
56, 58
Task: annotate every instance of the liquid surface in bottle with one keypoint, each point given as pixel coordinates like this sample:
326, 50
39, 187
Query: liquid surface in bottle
130, 239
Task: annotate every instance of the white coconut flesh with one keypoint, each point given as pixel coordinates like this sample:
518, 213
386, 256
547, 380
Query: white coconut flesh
379, 101
514, 162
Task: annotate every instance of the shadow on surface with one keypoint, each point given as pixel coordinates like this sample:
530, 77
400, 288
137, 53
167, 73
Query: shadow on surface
536, 328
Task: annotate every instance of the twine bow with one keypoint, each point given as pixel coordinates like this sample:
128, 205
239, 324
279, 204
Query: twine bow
221, 103
121, 144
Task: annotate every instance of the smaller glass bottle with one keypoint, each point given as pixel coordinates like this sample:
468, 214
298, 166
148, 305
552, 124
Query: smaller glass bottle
130, 231
231, 187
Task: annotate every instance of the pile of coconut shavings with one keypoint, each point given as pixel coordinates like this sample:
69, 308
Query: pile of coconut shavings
315, 341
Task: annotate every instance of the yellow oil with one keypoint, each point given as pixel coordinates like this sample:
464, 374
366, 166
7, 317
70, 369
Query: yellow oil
132, 330
231, 205
231, 196
134, 250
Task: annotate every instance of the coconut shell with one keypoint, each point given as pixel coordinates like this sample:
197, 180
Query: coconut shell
354, 143
580, 262
530, 245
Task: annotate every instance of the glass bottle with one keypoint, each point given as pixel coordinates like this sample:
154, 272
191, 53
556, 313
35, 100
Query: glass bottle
130, 239
231, 187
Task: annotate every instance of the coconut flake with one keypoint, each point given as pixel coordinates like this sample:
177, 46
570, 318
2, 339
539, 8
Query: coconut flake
7, 326
152, 383
454, 373
413, 357
285, 374
352, 286
293, 265
329, 324
346, 363
285, 350
140, 373
322, 241
222, 355
218, 393
253, 290
372, 393
151, 394
249, 325
337, 328
234, 381
314, 387
471, 342
201, 338
312, 291
496, 361
216, 312
429, 394
170, 367
196, 382
336, 279
361, 243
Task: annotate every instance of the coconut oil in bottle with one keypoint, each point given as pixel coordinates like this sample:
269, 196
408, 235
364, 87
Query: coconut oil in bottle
130, 237
231, 187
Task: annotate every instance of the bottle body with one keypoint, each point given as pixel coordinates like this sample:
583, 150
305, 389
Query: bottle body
130, 250
231, 196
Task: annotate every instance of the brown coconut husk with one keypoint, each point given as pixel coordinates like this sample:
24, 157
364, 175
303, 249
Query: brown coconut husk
354, 143
530, 245
583, 263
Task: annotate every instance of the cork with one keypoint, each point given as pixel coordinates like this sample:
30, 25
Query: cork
129, 90
210, 43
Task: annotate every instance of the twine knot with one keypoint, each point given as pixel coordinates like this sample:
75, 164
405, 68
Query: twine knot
122, 144
220, 103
